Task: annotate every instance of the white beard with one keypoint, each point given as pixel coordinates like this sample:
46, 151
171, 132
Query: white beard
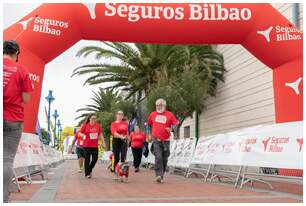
161, 110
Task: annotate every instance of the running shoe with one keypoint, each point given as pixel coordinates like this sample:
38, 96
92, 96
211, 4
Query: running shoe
159, 179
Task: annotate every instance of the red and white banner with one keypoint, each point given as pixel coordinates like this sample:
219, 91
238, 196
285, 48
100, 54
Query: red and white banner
32, 152
176, 152
173, 148
181, 152
187, 154
278, 145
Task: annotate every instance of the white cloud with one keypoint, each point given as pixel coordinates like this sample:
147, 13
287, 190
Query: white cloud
69, 93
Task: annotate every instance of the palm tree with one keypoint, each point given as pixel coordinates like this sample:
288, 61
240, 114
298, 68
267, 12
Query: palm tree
105, 103
102, 100
143, 66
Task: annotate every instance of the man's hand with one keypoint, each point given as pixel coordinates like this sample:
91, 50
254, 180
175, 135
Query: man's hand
168, 130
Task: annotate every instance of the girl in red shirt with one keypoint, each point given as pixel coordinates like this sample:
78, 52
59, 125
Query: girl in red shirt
119, 130
90, 132
137, 139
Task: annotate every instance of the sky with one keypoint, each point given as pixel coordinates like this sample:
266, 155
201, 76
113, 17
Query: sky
69, 93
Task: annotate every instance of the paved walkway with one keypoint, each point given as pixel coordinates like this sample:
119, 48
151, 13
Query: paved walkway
67, 185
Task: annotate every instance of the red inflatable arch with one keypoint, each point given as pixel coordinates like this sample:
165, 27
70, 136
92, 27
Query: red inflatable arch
52, 28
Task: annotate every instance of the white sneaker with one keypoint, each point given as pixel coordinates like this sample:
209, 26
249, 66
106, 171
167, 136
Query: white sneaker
159, 179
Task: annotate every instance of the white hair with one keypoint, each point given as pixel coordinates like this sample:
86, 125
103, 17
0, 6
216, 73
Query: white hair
161, 101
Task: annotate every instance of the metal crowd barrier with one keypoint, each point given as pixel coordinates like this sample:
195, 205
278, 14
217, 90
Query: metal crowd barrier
29, 171
236, 174
264, 175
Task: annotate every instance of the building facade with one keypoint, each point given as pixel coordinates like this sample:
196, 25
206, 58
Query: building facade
246, 97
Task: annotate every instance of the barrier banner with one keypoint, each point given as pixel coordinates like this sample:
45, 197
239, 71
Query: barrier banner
129, 155
106, 155
200, 150
179, 152
31, 152
187, 154
173, 145
278, 145
176, 152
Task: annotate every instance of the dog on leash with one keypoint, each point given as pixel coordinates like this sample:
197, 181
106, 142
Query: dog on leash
122, 171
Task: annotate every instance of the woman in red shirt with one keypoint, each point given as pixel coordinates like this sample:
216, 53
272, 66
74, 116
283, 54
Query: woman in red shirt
90, 132
137, 139
119, 130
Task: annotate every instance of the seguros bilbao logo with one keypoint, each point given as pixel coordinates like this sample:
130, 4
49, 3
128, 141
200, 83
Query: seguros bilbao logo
45, 25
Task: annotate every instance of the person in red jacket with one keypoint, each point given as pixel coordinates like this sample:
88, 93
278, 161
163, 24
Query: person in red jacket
161, 122
16, 92
137, 139
119, 130
78, 149
90, 132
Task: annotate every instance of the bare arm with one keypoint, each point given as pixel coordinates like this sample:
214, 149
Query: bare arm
102, 140
25, 97
73, 142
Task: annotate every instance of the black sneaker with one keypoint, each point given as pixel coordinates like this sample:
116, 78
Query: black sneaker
136, 170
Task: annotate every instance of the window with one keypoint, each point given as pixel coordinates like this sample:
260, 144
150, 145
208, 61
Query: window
187, 132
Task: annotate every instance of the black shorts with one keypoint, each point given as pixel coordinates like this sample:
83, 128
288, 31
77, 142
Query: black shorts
80, 152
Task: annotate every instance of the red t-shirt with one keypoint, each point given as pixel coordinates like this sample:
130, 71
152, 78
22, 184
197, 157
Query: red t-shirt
137, 139
159, 122
79, 140
92, 133
119, 127
15, 81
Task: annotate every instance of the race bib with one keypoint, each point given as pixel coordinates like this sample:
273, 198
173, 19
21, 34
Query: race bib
93, 135
161, 119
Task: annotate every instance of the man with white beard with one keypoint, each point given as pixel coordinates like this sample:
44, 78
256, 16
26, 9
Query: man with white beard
161, 122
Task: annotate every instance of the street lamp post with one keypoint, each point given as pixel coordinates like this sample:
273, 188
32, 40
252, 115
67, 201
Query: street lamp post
50, 99
55, 115
60, 137
58, 134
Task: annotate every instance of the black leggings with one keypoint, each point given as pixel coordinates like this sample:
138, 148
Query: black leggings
119, 150
93, 153
137, 155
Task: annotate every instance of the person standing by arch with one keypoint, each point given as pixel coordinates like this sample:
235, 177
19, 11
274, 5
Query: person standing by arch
137, 139
119, 130
161, 122
16, 92
91, 131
